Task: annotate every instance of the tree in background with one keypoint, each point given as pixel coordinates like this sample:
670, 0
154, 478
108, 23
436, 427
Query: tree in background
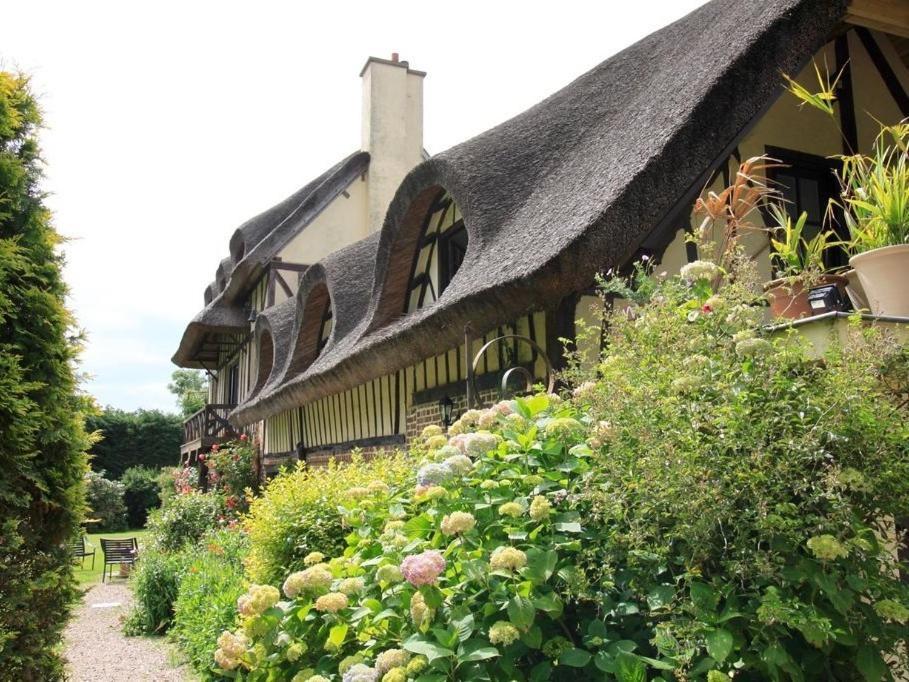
43, 442
141, 493
148, 438
191, 388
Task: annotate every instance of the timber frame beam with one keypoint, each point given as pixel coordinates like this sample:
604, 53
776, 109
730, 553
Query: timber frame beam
889, 16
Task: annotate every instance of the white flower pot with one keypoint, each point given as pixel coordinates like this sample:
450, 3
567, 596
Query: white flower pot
884, 275
855, 291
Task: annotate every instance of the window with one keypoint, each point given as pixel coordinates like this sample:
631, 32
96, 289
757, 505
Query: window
440, 252
325, 326
233, 384
807, 183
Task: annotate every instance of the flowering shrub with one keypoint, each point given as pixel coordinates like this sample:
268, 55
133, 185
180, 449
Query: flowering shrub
184, 519
207, 595
231, 470
298, 514
713, 504
450, 574
105, 501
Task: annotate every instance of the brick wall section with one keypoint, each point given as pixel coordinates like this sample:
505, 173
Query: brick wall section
421, 415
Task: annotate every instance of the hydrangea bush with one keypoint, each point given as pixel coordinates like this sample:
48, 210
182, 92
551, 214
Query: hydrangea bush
713, 503
466, 573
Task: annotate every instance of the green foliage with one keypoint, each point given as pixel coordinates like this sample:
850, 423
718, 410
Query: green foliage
155, 581
143, 438
190, 386
105, 501
712, 504
740, 500
41, 413
140, 494
875, 192
793, 255
232, 470
206, 601
183, 520
298, 513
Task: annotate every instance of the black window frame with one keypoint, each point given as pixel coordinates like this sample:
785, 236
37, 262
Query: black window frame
803, 165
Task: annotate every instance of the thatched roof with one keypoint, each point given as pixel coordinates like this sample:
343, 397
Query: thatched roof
253, 246
567, 189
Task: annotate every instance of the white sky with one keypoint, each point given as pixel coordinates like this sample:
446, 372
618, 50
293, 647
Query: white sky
169, 124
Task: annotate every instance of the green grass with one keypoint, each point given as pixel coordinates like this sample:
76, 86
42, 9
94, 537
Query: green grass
88, 577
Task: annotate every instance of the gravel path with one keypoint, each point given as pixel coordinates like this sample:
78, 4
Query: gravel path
98, 651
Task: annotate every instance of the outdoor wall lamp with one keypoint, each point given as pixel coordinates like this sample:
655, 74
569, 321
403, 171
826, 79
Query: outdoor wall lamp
446, 405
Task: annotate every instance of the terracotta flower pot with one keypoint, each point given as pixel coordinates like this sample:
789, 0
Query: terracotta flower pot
884, 275
789, 297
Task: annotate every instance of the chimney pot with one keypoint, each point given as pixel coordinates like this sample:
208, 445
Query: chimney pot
394, 57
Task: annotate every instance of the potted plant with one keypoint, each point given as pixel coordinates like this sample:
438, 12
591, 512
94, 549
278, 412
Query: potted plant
875, 200
799, 262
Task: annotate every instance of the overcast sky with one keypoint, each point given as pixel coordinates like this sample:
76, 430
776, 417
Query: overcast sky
170, 123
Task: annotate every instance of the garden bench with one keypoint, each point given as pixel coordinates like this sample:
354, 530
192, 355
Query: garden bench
80, 551
120, 551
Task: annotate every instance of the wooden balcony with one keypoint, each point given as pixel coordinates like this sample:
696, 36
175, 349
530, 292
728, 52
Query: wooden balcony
207, 427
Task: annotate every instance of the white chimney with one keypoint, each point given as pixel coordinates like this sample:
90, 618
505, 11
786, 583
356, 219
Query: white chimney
392, 129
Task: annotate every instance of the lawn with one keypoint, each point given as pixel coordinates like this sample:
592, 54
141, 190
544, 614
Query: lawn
87, 577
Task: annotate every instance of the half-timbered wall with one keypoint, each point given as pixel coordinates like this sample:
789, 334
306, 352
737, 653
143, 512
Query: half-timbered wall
383, 406
788, 127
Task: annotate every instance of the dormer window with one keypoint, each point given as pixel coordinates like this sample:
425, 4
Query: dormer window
440, 251
325, 326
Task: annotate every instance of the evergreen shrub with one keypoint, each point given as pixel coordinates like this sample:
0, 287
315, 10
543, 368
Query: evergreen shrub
105, 501
42, 460
140, 494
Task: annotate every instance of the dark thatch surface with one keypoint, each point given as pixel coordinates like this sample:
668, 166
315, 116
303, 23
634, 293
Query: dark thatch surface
573, 185
255, 244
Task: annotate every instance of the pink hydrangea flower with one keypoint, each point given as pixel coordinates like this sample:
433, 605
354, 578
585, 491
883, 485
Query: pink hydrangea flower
423, 569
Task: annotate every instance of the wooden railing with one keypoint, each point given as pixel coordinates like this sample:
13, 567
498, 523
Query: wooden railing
209, 423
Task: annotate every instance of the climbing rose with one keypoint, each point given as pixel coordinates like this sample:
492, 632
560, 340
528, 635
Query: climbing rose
512, 509
507, 559
503, 633
331, 602
258, 599
459, 464
391, 658
458, 522
699, 270
539, 508
313, 579
423, 569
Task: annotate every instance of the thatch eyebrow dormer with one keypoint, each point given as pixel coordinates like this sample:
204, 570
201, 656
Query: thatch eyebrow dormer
572, 186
